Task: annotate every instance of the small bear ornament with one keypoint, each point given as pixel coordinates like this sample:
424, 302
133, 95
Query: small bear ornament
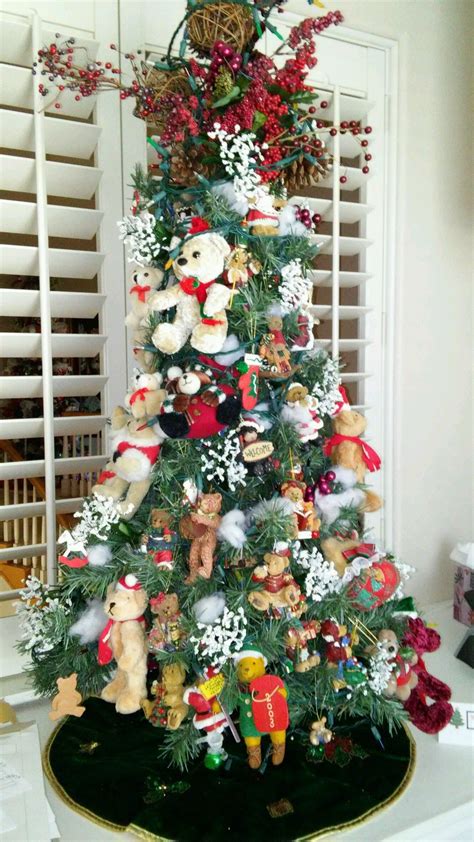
201, 528
123, 640
200, 302
146, 280
301, 410
280, 590
127, 477
401, 660
346, 448
67, 700
146, 398
195, 407
167, 632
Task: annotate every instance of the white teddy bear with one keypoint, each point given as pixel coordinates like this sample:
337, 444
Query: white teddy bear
146, 280
200, 303
146, 397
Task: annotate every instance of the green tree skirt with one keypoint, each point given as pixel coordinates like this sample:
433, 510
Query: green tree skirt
99, 764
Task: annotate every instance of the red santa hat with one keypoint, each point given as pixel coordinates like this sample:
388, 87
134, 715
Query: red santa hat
343, 403
128, 583
259, 217
282, 548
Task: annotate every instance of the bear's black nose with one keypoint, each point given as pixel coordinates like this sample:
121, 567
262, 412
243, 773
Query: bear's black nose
181, 261
111, 605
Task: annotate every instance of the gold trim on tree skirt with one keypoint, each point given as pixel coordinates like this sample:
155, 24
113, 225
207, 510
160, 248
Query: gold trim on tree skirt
228, 22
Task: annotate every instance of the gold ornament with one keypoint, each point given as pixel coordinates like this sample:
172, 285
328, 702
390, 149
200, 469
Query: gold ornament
228, 22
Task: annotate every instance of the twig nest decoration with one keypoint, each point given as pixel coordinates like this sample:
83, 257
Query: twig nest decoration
229, 22
159, 84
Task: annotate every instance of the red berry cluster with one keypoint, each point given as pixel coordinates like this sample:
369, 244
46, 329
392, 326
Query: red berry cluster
223, 55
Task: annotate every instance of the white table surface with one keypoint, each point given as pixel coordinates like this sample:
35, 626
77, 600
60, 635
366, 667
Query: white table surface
436, 806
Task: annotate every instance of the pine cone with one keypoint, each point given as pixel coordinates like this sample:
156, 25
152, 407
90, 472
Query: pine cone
185, 163
303, 173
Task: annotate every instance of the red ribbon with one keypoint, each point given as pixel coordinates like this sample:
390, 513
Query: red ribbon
191, 286
198, 225
104, 652
362, 550
369, 455
140, 291
138, 395
105, 475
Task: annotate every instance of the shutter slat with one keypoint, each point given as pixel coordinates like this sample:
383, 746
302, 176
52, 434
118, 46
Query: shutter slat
62, 344
346, 345
12, 553
354, 376
25, 428
21, 510
67, 138
352, 108
73, 223
348, 246
15, 43
322, 278
73, 305
72, 181
324, 311
35, 468
63, 263
71, 386
350, 212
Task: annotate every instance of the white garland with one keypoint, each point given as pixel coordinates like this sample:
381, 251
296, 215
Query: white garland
238, 154
327, 391
405, 572
379, 672
41, 617
221, 460
221, 640
322, 577
139, 234
97, 517
294, 288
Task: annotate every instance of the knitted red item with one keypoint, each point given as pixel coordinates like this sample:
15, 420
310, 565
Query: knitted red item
432, 717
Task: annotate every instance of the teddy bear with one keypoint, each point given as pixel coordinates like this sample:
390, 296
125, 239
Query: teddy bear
263, 708
160, 539
127, 477
200, 302
200, 527
67, 701
263, 215
146, 398
167, 632
334, 548
237, 267
173, 677
428, 717
123, 639
146, 281
346, 448
401, 660
195, 407
274, 351
303, 514
280, 591
296, 640
319, 734
301, 410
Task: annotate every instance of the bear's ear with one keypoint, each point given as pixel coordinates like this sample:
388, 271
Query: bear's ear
173, 372
220, 244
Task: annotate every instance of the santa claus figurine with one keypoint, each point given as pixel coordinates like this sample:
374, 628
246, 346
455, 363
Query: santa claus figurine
209, 717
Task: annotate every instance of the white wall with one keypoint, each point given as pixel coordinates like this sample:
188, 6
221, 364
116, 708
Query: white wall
434, 331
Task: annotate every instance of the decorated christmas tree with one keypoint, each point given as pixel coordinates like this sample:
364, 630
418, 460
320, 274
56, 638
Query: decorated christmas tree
219, 588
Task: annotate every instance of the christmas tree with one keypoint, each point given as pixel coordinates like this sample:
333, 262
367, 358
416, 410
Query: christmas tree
218, 581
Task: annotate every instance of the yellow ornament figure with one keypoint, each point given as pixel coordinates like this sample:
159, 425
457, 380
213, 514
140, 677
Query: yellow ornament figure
263, 706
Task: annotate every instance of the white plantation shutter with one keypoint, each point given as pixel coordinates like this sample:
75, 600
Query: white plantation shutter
59, 257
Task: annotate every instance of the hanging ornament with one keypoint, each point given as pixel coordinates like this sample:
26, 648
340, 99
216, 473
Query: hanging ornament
248, 380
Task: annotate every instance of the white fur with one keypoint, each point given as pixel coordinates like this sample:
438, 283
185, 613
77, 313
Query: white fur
209, 608
232, 528
329, 505
276, 505
231, 351
143, 276
99, 555
226, 191
307, 425
90, 623
289, 224
132, 465
261, 410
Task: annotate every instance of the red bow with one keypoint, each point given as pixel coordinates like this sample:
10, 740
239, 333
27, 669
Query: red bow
105, 475
362, 550
140, 291
191, 286
369, 455
138, 395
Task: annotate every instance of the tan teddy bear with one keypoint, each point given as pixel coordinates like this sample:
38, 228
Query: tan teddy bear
167, 632
279, 588
172, 679
274, 351
319, 734
303, 514
123, 639
403, 679
200, 302
346, 448
67, 701
333, 549
146, 398
200, 527
127, 477
145, 281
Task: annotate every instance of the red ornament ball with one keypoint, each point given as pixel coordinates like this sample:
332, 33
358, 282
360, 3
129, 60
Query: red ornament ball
343, 179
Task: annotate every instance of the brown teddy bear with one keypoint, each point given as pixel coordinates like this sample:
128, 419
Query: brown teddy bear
167, 632
160, 539
333, 549
123, 639
127, 477
146, 398
173, 677
296, 640
346, 448
304, 516
274, 351
200, 527
67, 701
279, 588
403, 679
236, 267
319, 734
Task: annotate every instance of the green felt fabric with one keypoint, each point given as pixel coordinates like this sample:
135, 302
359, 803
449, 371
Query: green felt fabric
228, 804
